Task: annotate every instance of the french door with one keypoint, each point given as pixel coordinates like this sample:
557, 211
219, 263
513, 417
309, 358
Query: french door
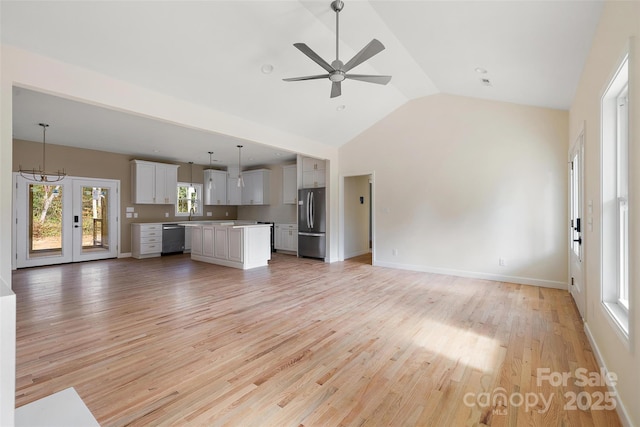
72, 220
576, 224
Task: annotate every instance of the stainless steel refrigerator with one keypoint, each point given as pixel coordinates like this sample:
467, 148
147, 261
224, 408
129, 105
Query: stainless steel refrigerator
311, 222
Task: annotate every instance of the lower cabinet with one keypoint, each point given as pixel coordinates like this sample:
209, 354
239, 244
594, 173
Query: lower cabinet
244, 247
221, 243
286, 237
196, 239
207, 241
146, 240
236, 252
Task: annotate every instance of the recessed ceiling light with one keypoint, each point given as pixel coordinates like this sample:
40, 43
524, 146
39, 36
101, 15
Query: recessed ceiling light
341, 107
481, 70
266, 68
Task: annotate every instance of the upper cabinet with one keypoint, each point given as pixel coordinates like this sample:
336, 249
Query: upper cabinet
256, 187
313, 173
234, 191
153, 183
215, 187
289, 184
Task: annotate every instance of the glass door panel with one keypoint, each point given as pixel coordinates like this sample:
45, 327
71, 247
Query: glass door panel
95, 219
45, 220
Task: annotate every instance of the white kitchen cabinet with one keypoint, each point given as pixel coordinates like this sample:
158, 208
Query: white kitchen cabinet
208, 240
256, 187
234, 193
313, 173
289, 184
236, 252
153, 183
235, 245
286, 237
215, 187
196, 239
146, 240
221, 243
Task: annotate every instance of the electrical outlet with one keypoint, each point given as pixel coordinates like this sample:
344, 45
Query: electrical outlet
394, 252
502, 262
226, 214
166, 214
209, 213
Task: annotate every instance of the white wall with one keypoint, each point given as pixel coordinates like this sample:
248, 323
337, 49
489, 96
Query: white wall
356, 215
620, 20
461, 182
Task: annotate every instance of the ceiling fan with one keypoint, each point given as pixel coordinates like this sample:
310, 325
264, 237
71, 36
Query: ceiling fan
337, 70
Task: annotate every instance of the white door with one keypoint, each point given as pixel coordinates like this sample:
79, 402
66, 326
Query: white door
577, 224
75, 219
95, 219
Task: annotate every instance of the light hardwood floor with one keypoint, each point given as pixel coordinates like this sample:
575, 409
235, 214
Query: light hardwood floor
168, 341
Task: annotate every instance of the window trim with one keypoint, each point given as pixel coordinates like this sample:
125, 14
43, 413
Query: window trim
199, 199
614, 198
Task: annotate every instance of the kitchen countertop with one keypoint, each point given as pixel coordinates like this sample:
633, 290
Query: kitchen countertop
236, 223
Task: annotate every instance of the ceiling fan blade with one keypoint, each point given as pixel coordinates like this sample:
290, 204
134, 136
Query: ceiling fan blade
336, 89
381, 80
314, 56
295, 79
373, 48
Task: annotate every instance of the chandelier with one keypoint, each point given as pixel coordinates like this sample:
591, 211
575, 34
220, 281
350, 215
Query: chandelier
41, 174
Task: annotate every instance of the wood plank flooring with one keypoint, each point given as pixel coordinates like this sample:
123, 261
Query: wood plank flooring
169, 341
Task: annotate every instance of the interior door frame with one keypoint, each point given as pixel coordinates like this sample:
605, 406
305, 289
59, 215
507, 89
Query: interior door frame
19, 245
579, 291
372, 214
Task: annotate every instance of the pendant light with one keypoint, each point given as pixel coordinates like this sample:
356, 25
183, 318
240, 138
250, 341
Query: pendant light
191, 189
240, 180
212, 185
41, 174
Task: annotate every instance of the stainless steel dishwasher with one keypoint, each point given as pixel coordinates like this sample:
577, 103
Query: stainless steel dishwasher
172, 239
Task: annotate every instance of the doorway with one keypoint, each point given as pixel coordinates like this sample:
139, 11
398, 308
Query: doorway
71, 220
576, 224
358, 228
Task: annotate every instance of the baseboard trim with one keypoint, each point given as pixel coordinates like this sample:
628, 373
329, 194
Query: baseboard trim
625, 419
124, 255
476, 275
356, 253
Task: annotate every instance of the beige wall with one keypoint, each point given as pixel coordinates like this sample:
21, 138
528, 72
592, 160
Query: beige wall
620, 21
100, 164
356, 215
461, 182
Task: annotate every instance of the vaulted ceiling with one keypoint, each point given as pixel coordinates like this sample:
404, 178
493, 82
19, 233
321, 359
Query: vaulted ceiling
212, 53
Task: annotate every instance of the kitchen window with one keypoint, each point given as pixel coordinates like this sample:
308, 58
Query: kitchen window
615, 197
189, 199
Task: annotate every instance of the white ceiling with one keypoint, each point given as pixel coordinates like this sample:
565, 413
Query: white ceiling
211, 52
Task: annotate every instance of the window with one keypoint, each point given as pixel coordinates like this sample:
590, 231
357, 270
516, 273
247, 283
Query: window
189, 199
615, 197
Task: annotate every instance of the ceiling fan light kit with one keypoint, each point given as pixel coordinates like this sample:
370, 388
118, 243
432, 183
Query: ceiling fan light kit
337, 70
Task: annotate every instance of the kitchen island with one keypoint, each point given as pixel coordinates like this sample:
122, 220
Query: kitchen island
232, 244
